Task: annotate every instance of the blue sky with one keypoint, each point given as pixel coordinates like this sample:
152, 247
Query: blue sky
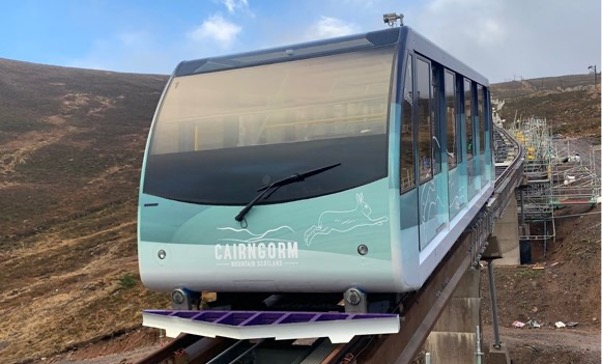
502, 39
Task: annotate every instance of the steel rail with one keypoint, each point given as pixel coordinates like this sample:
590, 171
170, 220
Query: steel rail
510, 178
170, 350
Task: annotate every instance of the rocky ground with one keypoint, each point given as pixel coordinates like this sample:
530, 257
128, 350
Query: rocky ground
562, 286
545, 346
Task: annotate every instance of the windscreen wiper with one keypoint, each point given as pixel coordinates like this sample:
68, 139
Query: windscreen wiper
271, 188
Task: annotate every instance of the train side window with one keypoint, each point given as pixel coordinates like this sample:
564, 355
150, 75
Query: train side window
458, 104
468, 117
489, 120
480, 100
423, 97
436, 121
407, 178
450, 110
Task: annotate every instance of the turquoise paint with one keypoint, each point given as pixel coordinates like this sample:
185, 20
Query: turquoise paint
336, 223
433, 208
394, 145
160, 223
457, 190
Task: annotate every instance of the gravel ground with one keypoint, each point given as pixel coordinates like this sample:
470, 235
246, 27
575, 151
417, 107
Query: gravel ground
543, 346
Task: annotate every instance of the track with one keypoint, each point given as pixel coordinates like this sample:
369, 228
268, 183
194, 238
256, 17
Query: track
198, 350
419, 311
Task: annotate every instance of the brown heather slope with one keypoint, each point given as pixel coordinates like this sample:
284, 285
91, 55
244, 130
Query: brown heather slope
68, 130
568, 103
71, 145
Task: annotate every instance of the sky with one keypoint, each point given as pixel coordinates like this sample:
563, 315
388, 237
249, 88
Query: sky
502, 39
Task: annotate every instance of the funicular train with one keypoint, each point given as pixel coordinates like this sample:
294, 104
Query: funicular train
344, 167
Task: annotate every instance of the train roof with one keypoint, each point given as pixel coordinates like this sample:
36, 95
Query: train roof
405, 36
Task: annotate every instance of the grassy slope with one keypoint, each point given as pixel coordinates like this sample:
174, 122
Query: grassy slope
71, 144
568, 103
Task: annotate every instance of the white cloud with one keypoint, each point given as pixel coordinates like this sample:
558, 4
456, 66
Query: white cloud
476, 22
328, 27
234, 5
535, 38
218, 29
491, 32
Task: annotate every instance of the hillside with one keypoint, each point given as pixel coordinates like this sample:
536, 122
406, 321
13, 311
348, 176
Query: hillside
71, 145
70, 136
568, 103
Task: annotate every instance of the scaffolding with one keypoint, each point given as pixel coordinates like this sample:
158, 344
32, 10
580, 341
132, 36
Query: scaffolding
575, 174
558, 173
535, 208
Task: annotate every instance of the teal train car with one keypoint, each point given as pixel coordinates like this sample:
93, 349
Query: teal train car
346, 165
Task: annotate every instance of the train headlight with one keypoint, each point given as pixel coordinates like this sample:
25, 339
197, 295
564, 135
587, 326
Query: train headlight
362, 249
161, 254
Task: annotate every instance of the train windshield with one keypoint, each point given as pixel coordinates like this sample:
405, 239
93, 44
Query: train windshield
220, 136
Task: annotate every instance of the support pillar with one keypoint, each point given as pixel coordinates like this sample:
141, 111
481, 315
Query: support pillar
506, 233
498, 352
453, 338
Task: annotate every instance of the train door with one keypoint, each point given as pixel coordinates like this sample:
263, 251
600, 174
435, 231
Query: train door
454, 155
433, 187
472, 165
490, 152
407, 165
480, 125
484, 131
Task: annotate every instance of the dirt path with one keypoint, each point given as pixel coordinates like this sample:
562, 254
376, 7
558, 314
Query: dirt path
528, 346
125, 349
17, 151
538, 346
122, 358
